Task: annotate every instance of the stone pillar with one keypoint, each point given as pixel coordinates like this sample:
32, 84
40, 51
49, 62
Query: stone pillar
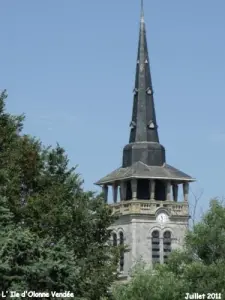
152, 189
168, 190
175, 192
134, 189
115, 192
120, 192
186, 190
105, 192
123, 188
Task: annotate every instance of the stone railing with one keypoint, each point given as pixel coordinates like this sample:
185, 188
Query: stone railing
150, 207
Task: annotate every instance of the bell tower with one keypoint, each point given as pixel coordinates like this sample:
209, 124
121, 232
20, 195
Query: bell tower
151, 219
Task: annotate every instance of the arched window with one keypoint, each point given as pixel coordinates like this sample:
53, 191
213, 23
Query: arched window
121, 252
155, 247
114, 239
166, 245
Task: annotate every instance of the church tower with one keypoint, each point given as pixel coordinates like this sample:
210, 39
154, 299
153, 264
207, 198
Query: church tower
151, 219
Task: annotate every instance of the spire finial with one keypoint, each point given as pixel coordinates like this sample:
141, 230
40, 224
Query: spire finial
142, 11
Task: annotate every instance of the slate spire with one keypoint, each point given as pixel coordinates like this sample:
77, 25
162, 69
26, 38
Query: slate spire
144, 158
144, 143
143, 124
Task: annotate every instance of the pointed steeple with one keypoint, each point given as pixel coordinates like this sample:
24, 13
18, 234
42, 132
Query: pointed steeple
144, 158
144, 143
143, 124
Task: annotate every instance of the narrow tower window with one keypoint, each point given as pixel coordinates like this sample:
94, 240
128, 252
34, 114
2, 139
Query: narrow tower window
121, 252
114, 239
155, 247
166, 245
143, 191
160, 190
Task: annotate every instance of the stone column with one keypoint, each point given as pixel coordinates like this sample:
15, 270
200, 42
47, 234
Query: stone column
134, 189
105, 192
175, 192
186, 190
115, 192
123, 187
152, 189
120, 192
168, 190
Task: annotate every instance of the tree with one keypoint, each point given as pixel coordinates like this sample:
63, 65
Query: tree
55, 233
81, 218
207, 241
28, 263
199, 268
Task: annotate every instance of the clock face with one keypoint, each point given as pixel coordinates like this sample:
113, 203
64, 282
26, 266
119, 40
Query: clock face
162, 218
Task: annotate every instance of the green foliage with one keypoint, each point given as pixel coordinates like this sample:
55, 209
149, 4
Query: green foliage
147, 283
199, 268
53, 234
207, 240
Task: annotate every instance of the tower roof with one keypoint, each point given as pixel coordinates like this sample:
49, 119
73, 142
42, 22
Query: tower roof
144, 143
142, 171
143, 124
144, 156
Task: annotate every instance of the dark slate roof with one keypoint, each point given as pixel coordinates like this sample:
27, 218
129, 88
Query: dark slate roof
144, 157
144, 139
141, 170
143, 123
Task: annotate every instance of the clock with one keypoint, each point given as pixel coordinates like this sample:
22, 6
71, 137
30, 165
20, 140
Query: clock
162, 218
